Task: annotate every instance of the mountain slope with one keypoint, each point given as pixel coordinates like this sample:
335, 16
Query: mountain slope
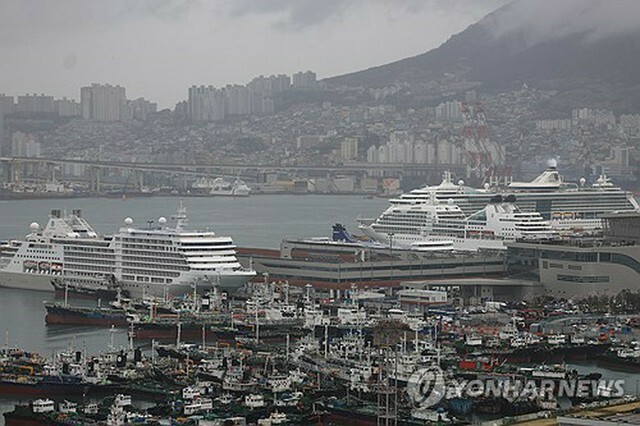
568, 53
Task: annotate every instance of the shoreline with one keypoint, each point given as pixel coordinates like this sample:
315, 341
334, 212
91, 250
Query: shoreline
126, 195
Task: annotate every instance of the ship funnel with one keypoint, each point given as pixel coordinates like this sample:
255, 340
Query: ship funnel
340, 233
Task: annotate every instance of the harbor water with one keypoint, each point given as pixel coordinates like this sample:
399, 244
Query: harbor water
255, 221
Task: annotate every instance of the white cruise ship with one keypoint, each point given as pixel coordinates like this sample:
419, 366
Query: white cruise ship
155, 260
408, 225
568, 206
222, 187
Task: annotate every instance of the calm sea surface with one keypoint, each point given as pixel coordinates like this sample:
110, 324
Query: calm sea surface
256, 221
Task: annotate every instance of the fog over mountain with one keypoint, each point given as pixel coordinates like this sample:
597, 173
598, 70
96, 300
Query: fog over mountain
550, 43
159, 48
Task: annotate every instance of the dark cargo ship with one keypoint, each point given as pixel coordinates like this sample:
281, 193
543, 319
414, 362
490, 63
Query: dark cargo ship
66, 315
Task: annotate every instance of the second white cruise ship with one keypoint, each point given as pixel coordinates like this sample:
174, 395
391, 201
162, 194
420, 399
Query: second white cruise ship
155, 260
567, 206
409, 225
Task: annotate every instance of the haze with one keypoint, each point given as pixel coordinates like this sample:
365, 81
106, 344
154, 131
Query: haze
158, 48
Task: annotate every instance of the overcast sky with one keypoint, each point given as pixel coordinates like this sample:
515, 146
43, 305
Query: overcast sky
158, 48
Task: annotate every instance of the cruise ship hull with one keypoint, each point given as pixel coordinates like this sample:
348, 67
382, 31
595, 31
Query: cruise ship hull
229, 283
405, 240
38, 282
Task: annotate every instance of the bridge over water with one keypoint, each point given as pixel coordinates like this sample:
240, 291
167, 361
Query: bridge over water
100, 173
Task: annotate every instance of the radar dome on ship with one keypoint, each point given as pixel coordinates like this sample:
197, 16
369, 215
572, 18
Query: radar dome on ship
552, 163
460, 182
162, 220
582, 181
34, 226
486, 185
128, 221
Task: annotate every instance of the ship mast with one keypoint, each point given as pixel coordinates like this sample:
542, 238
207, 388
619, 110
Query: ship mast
181, 217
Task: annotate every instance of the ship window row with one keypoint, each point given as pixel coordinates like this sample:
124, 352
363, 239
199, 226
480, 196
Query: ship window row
154, 259
400, 230
40, 246
448, 225
76, 243
88, 268
141, 252
69, 262
146, 240
217, 253
211, 252
410, 214
41, 251
206, 243
403, 223
29, 256
162, 248
155, 266
87, 249
106, 253
73, 274
146, 279
143, 272
404, 219
89, 256
151, 254
583, 279
88, 261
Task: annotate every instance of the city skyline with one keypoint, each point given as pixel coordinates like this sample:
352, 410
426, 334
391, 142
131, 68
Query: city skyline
175, 44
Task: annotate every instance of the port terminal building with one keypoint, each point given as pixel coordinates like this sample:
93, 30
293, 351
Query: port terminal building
570, 267
582, 266
340, 266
